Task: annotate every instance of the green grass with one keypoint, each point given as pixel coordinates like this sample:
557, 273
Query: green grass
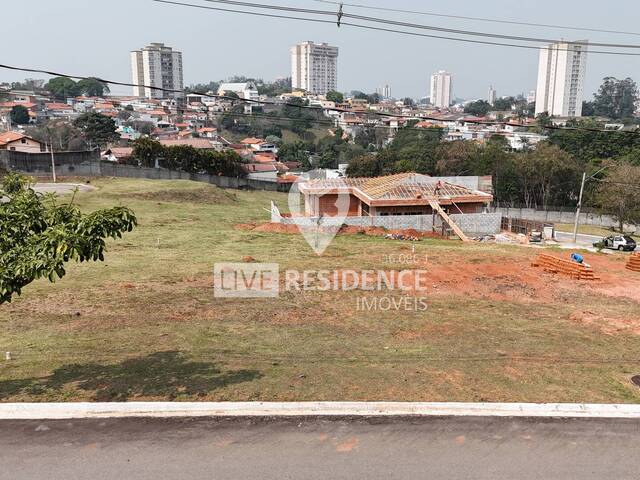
144, 324
588, 230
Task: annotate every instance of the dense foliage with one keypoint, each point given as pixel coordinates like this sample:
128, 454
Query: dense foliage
96, 128
63, 87
38, 236
146, 152
19, 115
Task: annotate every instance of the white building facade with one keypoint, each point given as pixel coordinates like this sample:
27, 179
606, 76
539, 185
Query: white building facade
492, 95
314, 67
157, 65
441, 88
561, 72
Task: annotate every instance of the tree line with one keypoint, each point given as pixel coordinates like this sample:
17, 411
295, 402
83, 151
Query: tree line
151, 153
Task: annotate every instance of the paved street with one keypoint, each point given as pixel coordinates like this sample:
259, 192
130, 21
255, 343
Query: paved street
581, 240
433, 448
62, 188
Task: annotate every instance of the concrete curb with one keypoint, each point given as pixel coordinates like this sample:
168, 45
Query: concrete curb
41, 411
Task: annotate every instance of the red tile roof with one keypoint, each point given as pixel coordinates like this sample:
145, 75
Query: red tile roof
192, 142
251, 141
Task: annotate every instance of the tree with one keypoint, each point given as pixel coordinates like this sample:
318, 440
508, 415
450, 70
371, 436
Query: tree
295, 152
38, 236
62, 87
19, 115
147, 151
60, 133
364, 166
334, 96
616, 98
30, 84
408, 102
504, 103
588, 110
92, 87
97, 128
479, 108
619, 195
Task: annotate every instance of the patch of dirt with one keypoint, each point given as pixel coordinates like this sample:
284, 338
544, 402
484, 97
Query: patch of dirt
607, 325
208, 195
344, 230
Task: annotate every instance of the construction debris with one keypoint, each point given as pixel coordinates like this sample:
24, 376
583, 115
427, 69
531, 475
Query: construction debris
634, 262
551, 264
399, 236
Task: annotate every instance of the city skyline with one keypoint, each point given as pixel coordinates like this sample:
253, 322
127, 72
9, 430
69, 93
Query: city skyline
368, 59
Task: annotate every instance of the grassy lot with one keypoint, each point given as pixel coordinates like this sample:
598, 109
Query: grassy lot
145, 324
588, 230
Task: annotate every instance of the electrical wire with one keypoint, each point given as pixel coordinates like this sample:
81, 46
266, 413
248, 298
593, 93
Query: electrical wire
388, 30
414, 25
479, 19
311, 107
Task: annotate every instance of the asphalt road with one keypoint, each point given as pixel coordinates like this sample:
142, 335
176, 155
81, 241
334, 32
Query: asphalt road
582, 238
219, 449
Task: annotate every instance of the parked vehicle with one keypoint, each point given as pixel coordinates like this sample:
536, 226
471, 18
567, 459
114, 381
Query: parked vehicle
620, 242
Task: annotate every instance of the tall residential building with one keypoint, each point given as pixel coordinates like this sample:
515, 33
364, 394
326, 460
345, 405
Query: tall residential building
492, 95
561, 73
441, 89
157, 65
314, 67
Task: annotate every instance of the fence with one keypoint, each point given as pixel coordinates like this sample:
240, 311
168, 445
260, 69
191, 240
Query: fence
88, 164
553, 216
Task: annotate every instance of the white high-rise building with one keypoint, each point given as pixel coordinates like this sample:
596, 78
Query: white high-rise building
314, 67
492, 95
441, 86
561, 73
157, 65
531, 97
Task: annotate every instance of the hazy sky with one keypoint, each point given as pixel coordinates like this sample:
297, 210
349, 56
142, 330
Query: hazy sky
94, 38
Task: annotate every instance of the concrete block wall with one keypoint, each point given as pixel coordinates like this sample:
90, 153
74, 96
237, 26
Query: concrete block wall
551, 216
475, 224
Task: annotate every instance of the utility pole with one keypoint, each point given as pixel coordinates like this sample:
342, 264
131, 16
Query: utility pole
53, 161
584, 180
575, 226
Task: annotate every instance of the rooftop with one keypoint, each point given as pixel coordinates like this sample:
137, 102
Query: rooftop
402, 187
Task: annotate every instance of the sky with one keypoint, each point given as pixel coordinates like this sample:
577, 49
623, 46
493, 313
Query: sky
94, 38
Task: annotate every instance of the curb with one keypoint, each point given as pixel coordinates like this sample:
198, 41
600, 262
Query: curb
52, 411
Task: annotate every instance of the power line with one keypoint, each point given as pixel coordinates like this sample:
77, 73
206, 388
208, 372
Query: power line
388, 30
414, 25
310, 107
480, 19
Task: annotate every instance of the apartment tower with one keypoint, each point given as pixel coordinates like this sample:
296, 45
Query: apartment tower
561, 73
314, 67
157, 65
441, 86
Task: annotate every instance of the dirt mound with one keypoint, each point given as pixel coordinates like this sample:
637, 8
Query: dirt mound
276, 228
204, 195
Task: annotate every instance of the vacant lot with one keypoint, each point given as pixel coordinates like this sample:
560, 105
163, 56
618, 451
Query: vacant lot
145, 324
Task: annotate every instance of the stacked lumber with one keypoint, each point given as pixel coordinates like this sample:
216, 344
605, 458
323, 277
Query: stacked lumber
572, 269
634, 262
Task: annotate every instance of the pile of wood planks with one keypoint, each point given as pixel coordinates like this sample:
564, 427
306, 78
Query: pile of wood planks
572, 269
634, 262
